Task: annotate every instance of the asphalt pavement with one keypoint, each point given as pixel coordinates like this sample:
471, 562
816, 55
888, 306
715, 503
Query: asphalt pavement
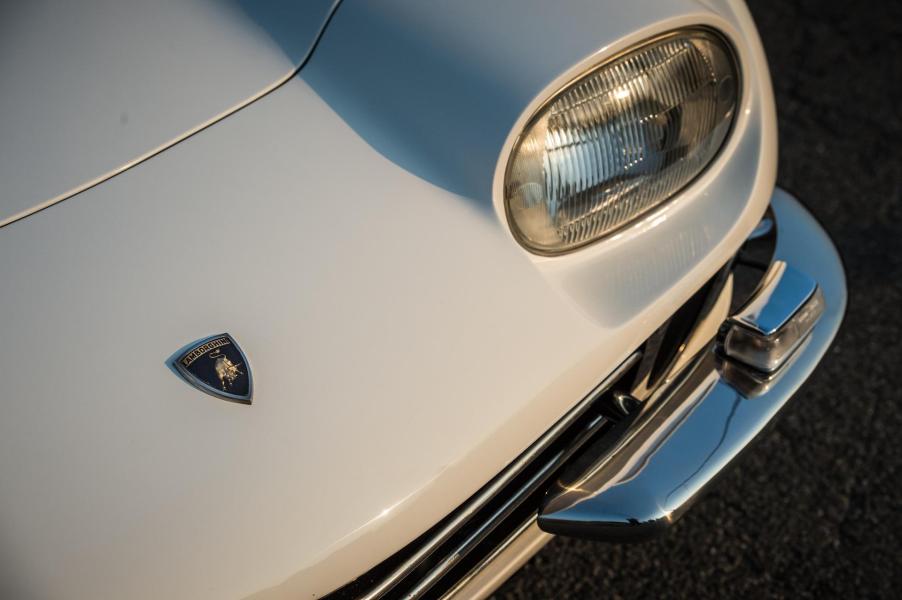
815, 509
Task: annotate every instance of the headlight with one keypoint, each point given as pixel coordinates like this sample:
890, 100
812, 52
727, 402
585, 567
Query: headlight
620, 140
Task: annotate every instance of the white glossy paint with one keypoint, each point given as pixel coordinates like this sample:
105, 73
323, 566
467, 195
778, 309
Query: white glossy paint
91, 88
404, 347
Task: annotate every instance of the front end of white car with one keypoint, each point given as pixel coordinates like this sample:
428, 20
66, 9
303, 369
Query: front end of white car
500, 270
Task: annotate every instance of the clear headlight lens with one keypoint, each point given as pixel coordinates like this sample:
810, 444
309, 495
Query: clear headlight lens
621, 140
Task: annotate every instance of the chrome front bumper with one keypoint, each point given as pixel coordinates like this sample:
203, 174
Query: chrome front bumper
709, 410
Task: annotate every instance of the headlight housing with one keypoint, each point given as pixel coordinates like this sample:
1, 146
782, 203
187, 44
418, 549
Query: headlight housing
621, 140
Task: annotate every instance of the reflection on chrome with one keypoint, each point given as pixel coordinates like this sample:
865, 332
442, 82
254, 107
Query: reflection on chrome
688, 430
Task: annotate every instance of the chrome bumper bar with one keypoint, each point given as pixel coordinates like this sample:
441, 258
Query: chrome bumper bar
700, 419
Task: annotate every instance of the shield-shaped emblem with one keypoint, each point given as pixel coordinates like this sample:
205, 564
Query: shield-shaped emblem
217, 366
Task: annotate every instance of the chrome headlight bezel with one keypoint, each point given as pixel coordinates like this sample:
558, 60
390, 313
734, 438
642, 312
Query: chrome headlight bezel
537, 114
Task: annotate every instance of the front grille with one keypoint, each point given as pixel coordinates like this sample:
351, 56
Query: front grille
456, 544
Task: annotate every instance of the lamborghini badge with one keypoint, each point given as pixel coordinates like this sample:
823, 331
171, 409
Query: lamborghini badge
217, 366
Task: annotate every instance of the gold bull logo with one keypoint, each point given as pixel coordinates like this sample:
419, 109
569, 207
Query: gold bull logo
226, 370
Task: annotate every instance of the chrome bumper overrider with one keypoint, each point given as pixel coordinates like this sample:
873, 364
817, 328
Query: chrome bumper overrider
703, 415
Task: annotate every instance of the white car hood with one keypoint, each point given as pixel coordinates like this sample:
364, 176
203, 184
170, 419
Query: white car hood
91, 87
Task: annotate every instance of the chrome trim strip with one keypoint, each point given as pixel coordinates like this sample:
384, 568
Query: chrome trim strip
688, 432
511, 471
472, 540
485, 562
